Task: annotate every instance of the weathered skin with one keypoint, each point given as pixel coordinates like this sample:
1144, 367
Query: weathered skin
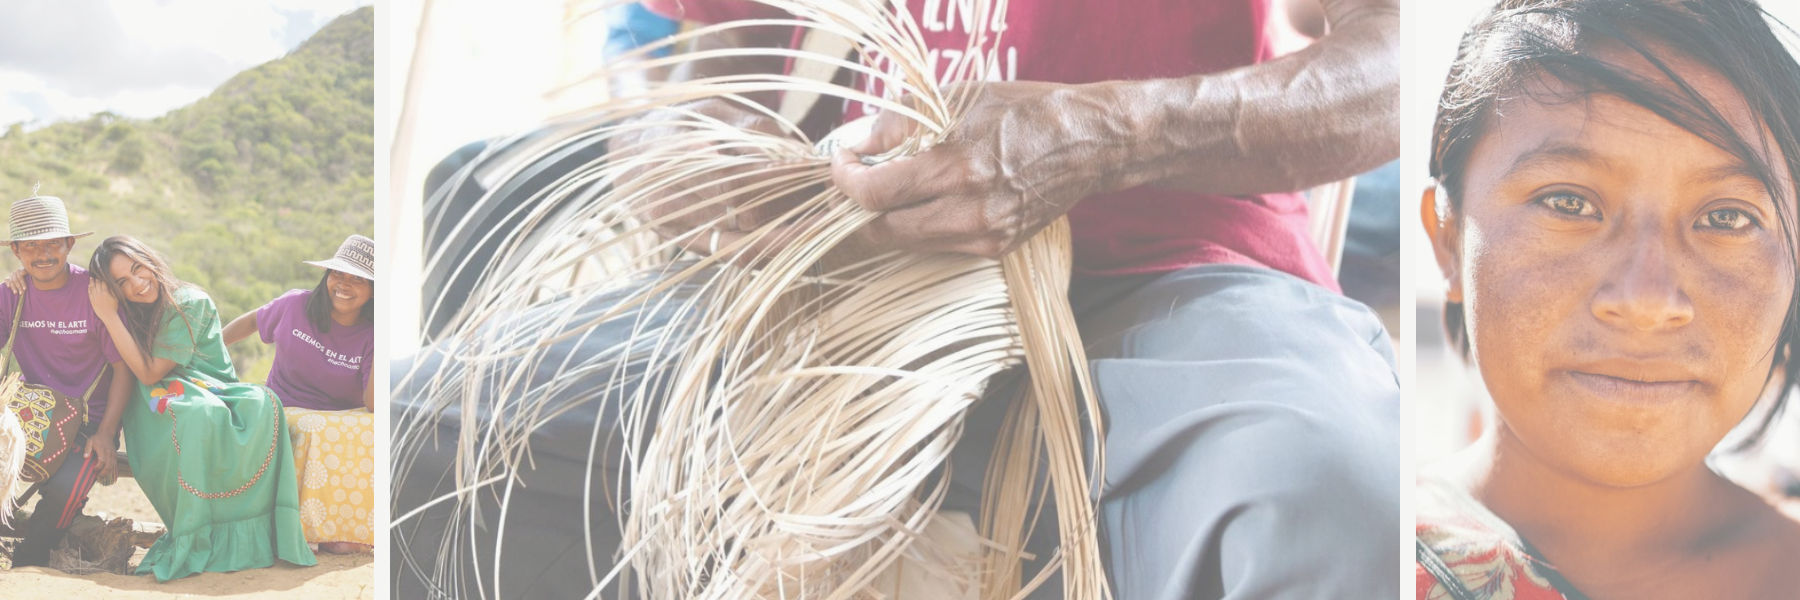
1029, 151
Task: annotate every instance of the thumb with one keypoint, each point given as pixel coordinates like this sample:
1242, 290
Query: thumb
888, 131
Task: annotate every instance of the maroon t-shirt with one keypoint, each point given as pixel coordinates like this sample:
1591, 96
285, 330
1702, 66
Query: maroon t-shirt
1140, 230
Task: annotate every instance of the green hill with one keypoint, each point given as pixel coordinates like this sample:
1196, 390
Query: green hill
273, 167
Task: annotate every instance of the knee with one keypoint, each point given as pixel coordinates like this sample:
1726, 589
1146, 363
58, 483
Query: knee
1330, 456
60, 485
1260, 507
1336, 469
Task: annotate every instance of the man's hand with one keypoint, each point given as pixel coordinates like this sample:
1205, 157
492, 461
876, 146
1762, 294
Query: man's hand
706, 229
1023, 155
102, 448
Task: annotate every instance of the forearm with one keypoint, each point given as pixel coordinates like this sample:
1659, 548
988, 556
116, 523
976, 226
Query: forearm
1324, 113
117, 394
135, 361
139, 364
240, 328
369, 395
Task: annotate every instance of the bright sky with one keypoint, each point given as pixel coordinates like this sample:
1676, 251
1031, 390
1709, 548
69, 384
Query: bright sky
67, 59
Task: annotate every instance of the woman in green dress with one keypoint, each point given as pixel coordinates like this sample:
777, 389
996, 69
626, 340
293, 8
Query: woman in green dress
211, 453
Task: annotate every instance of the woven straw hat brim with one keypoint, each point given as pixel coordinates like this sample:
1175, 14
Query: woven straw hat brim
38, 218
338, 264
50, 235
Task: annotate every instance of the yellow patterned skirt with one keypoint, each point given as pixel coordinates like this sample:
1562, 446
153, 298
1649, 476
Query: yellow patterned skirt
335, 455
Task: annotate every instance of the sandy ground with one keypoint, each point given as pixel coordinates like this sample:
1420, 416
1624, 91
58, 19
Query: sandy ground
334, 577
350, 576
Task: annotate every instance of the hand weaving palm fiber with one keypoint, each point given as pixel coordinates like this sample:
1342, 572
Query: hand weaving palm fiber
783, 419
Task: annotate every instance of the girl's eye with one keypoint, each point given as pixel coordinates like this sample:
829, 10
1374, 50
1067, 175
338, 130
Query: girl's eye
1729, 219
1570, 204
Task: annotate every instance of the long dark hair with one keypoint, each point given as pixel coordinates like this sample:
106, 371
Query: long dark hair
143, 321
1524, 39
318, 305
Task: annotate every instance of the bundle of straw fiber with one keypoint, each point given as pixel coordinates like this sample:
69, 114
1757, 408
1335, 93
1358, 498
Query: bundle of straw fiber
12, 449
786, 409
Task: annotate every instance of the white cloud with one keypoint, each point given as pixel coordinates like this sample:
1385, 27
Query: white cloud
242, 33
66, 59
26, 97
13, 114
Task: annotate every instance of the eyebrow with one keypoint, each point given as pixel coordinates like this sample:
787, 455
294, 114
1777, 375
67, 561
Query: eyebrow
1555, 152
1736, 169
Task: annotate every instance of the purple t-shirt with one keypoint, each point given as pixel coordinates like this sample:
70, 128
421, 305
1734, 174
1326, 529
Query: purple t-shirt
61, 341
320, 371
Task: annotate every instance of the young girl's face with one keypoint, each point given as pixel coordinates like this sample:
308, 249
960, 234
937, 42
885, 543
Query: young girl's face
1624, 281
134, 279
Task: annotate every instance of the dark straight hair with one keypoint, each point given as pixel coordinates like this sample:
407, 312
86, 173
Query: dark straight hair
1522, 40
318, 305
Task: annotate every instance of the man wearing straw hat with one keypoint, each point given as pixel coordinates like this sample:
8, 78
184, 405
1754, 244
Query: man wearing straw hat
61, 345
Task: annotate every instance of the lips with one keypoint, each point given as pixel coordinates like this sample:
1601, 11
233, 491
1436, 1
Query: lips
1632, 389
1630, 380
143, 293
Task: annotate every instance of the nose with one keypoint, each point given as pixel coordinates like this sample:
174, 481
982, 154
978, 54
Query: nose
1644, 292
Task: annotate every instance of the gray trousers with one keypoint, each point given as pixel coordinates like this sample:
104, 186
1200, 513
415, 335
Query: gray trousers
1252, 452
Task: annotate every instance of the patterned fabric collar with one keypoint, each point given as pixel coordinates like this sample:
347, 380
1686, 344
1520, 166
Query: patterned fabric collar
1458, 536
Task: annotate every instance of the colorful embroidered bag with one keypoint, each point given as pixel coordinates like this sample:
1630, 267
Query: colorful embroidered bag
51, 420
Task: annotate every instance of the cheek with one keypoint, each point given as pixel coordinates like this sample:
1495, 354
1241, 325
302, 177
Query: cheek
1744, 296
1519, 286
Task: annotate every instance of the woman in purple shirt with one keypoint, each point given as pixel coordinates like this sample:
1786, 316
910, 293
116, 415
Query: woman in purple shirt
324, 350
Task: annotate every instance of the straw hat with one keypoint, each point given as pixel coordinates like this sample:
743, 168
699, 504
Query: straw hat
356, 257
39, 218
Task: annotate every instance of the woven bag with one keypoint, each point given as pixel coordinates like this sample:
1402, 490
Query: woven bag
51, 420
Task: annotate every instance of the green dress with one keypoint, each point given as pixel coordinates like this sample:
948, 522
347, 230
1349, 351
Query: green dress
212, 456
